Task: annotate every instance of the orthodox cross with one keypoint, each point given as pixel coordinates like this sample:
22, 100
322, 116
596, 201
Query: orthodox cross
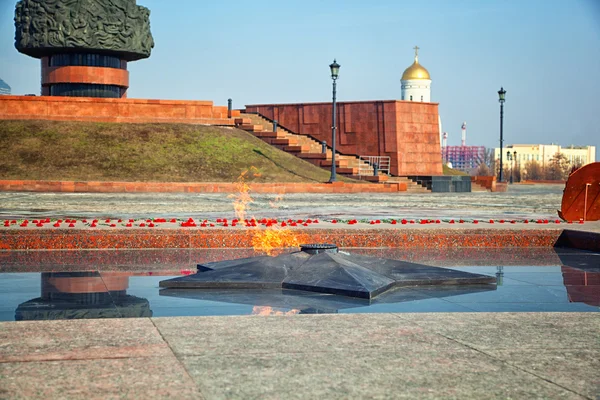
416, 51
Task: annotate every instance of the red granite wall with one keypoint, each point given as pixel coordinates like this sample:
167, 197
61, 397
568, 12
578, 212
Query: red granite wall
113, 110
407, 132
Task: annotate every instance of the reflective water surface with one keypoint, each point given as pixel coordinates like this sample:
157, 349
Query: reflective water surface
115, 284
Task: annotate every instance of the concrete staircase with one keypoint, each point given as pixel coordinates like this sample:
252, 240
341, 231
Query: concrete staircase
411, 186
475, 187
305, 147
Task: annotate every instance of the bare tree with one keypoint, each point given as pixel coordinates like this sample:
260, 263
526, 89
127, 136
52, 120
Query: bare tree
535, 172
558, 167
482, 170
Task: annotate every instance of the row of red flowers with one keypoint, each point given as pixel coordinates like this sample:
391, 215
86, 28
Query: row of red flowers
224, 222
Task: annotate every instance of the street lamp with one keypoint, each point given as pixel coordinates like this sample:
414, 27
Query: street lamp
509, 158
335, 69
515, 161
501, 99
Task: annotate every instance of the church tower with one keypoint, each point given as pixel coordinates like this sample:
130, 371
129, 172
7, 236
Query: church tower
416, 82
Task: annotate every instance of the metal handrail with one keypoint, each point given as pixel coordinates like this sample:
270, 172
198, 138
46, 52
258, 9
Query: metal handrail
367, 165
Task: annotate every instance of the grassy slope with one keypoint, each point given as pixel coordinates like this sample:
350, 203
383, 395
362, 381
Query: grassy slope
450, 171
48, 150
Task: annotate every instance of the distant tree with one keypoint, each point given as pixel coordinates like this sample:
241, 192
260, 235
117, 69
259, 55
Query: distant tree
482, 170
575, 167
535, 172
489, 160
558, 167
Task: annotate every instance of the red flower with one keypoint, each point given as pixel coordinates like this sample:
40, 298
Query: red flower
71, 225
451, 221
393, 222
334, 221
491, 221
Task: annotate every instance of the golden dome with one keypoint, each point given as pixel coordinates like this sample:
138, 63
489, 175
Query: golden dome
415, 71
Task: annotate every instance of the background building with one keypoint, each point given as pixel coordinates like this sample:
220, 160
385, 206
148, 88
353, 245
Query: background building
4, 88
543, 153
524, 157
463, 158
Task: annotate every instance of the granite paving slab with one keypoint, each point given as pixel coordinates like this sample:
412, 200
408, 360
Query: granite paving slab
303, 333
79, 339
485, 331
575, 369
158, 377
361, 373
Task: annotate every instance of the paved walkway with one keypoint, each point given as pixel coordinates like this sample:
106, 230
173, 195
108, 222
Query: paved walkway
462, 356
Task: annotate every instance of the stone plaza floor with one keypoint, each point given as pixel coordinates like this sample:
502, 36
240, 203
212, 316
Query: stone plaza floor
412, 356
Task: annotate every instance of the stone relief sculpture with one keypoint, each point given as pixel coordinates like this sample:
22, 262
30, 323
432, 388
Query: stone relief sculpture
44, 27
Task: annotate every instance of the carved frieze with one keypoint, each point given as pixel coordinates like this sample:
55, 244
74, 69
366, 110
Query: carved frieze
45, 27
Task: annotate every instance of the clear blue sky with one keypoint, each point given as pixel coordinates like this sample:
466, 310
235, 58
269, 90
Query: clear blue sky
546, 54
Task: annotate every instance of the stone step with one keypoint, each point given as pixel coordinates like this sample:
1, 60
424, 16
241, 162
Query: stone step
297, 149
320, 156
347, 171
338, 163
271, 135
251, 127
287, 141
243, 121
371, 178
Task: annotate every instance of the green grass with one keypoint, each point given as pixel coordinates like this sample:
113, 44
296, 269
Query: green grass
81, 151
449, 171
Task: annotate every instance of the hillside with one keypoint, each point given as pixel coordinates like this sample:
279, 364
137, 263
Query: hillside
80, 151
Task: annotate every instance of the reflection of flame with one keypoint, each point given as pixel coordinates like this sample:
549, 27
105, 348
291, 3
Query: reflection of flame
243, 196
267, 310
274, 238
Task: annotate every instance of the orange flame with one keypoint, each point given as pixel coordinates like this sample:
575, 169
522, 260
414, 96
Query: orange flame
272, 238
243, 198
267, 310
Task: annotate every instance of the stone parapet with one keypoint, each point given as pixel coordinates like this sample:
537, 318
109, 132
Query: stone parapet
195, 187
89, 109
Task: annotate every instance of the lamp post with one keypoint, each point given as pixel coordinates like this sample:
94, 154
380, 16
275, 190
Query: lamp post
501, 99
335, 69
509, 158
516, 163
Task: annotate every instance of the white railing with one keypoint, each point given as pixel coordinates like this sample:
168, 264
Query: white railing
366, 165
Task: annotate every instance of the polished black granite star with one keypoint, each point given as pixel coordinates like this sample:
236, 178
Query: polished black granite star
328, 272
